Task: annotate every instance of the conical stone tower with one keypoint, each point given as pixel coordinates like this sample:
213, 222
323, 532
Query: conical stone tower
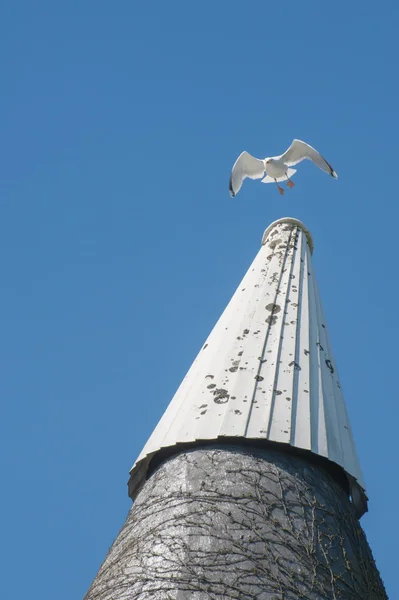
250, 486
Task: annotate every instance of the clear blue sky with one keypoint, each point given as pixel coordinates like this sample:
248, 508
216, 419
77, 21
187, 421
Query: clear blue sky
120, 245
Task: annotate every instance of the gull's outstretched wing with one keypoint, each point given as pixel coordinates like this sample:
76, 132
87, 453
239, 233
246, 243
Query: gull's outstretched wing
245, 166
299, 151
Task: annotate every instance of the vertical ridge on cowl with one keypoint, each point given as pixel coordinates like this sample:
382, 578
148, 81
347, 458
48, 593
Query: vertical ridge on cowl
266, 373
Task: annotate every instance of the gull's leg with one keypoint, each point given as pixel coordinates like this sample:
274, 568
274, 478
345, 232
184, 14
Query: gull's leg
280, 189
289, 182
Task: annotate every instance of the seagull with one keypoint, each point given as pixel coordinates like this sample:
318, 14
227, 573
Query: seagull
276, 168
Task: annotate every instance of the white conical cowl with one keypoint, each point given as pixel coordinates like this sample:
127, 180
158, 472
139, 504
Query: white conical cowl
266, 372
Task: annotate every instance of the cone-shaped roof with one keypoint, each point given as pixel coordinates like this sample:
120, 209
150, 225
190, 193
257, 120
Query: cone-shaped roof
266, 371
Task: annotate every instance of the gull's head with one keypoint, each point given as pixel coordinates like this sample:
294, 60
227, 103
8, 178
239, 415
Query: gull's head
269, 160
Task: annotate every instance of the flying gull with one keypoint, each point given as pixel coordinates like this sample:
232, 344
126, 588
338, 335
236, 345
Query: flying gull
276, 168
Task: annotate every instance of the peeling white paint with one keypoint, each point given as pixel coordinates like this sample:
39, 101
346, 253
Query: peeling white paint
266, 370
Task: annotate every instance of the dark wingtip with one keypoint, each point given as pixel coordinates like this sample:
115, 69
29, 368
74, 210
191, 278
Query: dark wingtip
232, 193
332, 172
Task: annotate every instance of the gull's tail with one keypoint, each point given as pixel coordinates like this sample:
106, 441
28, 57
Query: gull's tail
269, 179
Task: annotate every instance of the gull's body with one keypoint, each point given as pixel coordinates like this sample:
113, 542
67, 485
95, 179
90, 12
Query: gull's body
277, 168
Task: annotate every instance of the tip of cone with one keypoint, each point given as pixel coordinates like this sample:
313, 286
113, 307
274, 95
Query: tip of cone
290, 221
